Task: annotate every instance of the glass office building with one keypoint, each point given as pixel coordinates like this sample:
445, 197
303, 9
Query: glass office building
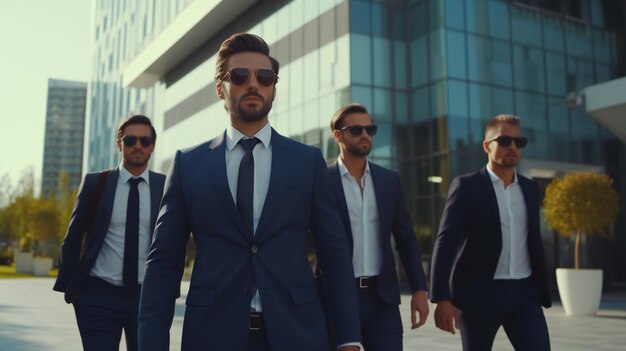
431, 72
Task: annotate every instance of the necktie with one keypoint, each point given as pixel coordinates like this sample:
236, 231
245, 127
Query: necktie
245, 184
131, 240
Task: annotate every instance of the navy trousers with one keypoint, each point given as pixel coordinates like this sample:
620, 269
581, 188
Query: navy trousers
102, 311
381, 325
514, 305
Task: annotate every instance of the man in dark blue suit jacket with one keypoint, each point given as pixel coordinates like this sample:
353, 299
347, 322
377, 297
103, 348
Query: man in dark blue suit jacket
488, 265
372, 206
101, 271
250, 197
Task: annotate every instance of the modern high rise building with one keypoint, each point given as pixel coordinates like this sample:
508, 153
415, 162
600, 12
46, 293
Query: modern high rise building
431, 72
65, 127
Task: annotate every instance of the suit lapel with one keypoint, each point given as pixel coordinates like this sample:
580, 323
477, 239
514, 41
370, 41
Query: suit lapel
278, 180
218, 180
155, 199
340, 196
491, 198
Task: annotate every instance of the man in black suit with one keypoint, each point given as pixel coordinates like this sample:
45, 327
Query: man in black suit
372, 207
488, 265
105, 248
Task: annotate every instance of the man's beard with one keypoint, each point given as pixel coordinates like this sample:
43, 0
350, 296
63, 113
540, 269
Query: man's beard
253, 115
358, 151
139, 163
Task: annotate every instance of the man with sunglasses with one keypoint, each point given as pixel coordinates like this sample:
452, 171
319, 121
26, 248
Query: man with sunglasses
372, 207
488, 265
105, 248
251, 197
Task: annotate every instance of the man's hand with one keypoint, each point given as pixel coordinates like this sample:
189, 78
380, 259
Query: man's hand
349, 348
446, 317
419, 303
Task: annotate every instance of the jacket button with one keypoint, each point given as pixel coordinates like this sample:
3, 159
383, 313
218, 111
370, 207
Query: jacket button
254, 249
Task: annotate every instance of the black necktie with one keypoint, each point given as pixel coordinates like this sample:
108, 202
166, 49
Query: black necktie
131, 240
245, 184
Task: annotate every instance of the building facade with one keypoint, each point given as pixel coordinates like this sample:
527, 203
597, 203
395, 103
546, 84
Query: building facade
431, 72
63, 144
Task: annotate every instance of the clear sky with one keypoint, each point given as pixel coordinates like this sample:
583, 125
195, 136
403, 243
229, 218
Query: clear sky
39, 39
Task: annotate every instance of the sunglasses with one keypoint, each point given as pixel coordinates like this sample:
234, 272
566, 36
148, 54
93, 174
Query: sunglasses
505, 141
356, 130
239, 76
131, 140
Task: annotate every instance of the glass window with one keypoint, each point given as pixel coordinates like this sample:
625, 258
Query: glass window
360, 17
363, 96
382, 144
489, 61
526, 25
531, 108
455, 15
382, 66
456, 54
558, 129
603, 73
528, 66
580, 72
437, 54
361, 62
484, 103
553, 32
488, 18
418, 13
399, 67
380, 18
420, 104
419, 61
382, 105
435, 14
556, 74
458, 136
602, 43
401, 105
438, 99
458, 104
597, 13
578, 39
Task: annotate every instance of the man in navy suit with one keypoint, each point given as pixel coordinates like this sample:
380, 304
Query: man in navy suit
105, 248
372, 207
488, 265
251, 198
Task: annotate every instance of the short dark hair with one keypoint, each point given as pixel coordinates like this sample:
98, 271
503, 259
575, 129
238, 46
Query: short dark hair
135, 119
503, 118
337, 121
241, 42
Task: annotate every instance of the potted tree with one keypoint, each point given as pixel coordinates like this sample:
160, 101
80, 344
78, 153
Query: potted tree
578, 204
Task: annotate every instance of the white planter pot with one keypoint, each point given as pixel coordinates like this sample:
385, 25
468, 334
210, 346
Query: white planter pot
580, 290
42, 266
24, 263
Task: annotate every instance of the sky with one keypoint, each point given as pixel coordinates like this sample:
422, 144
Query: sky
39, 39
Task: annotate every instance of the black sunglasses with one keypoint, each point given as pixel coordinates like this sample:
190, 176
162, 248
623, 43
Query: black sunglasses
356, 130
505, 141
131, 140
239, 76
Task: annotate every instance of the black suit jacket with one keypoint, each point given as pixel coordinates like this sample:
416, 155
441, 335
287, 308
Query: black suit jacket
74, 267
393, 219
469, 242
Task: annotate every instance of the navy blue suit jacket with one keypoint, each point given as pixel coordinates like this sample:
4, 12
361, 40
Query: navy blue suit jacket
469, 242
229, 263
393, 219
76, 260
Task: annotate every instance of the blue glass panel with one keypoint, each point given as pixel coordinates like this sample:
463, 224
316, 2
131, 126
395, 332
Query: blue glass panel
401, 104
438, 99
362, 95
553, 32
419, 61
484, 103
382, 105
528, 65
489, 61
602, 42
488, 18
435, 14
556, 74
578, 39
360, 17
437, 55
456, 54
531, 108
580, 73
382, 143
420, 105
455, 14
559, 130
526, 25
458, 98
361, 59
399, 68
382, 65
458, 133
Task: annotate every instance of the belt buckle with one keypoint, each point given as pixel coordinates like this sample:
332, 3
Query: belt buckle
255, 322
364, 282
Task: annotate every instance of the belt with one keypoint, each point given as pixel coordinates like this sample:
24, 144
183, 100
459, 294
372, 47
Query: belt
365, 282
256, 321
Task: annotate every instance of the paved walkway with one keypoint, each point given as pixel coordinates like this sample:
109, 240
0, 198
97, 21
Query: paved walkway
34, 318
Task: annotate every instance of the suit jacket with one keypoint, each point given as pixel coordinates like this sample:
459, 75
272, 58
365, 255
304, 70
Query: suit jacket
469, 242
230, 263
393, 219
75, 267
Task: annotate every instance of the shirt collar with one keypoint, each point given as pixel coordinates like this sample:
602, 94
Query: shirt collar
233, 136
125, 175
343, 170
495, 178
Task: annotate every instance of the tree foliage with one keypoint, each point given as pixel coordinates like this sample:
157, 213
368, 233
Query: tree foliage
581, 203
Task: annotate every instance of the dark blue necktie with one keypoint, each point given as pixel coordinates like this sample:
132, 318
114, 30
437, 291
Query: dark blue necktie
131, 240
245, 184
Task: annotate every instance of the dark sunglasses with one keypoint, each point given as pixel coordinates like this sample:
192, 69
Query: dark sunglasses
131, 140
505, 141
356, 130
239, 76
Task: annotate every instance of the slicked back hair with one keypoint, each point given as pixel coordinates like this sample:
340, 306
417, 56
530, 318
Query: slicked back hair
499, 119
136, 119
241, 42
337, 121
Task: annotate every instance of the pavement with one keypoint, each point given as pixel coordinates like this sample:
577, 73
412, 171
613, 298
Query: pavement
33, 318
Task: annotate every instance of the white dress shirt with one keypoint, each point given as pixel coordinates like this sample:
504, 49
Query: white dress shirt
262, 154
514, 262
363, 211
109, 265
